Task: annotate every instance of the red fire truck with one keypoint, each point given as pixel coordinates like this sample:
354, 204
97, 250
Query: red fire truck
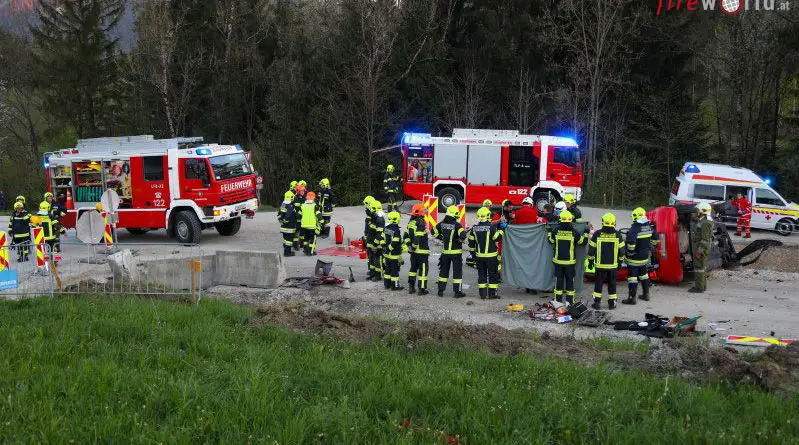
473, 165
182, 184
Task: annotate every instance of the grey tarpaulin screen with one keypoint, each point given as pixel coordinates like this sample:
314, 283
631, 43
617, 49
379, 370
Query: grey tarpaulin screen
527, 257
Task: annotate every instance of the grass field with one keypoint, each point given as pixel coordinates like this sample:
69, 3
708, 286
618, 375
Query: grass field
125, 370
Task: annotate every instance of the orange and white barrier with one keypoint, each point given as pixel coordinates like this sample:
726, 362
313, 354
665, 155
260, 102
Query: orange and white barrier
38, 240
430, 204
3, 252
462, 215
758, 341
107, 237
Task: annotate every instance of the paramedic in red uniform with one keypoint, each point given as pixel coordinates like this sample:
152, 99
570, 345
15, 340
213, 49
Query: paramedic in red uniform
527, 214
744, 210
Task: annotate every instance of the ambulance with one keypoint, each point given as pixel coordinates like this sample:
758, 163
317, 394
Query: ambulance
720, 184
182, 185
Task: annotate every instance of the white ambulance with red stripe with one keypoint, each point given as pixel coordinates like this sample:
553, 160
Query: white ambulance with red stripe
713, 183
474, 164
181, 184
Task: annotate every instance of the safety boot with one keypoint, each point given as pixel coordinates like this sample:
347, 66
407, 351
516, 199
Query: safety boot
411, 288
397, 287
483, 293
629, 300
570, 299
612, 304
423, 292
458, 288
492, 294
696, 290
597, 303
645, 295
441, 288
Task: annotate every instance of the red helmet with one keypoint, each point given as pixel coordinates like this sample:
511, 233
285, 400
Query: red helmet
310, 196
417, 210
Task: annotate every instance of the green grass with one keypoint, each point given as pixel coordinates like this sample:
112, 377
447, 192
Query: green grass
609, 344
126, 370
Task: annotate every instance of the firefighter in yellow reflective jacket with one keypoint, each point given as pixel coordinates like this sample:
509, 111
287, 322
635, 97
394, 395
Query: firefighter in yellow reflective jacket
287, 216
605, 254
452, 234
20, 199
327, 200
483, 239
642, 239
392, 186
564, 237
20, 231
418, 242
393, 248
299, 199
367, 244
571, 205
49, 227
56, 211
377, 225
309, 223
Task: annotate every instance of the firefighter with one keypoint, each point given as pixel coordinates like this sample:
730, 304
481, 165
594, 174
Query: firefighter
416, 238
292, 186
393, 248
367, 243
641, 241
701, 240
299, 199
20, 199
483, 239
326, 203
605, 254
287, 216
391, 186
19, 230
571, 205
450, 232
743, 208
377, 225
56, 211
309, 223
50, 228
564, 237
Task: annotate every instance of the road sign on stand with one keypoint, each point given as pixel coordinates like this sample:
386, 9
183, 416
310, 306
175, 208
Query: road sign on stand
90, 227
430, 204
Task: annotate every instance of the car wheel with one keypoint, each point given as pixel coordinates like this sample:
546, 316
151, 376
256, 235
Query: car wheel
448, 196
540, 200
229, 227
187, 227
785, 226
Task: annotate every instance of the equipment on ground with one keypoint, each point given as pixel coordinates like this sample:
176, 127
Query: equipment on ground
180, 184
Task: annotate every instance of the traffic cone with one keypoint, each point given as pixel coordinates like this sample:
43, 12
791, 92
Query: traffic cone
70, 204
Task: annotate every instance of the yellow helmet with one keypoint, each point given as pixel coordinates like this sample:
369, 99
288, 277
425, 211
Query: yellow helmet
638, 213
18, 205
453, 211
302, 183
483, 214
20, 198
487, 203
376, 206
608, 220
288, 196
36, 220
48, 195
566, 216
394, 217
367, 202
390, 168
292, 185
324, 183
99, 207
569, 198
44, 206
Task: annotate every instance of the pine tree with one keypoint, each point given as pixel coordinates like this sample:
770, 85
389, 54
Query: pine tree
75, 55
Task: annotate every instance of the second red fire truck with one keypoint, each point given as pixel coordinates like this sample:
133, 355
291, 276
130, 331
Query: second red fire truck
473, 165
181, 184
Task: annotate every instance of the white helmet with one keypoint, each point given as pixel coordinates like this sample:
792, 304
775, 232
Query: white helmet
527, 200
704, 208
559, 207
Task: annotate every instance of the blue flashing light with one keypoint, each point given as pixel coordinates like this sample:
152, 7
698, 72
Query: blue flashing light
692, 168
767, 181
415, 138
203, 151
238, 147
571, 140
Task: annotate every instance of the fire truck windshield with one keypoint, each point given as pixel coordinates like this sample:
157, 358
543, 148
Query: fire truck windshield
230, 166
567, 155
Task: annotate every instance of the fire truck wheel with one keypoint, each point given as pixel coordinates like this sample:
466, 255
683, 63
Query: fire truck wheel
229, 227
136, 231
540, 200
448, 196
785, 226
187, 227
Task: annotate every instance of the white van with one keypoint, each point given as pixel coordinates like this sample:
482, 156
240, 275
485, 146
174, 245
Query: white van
713, 183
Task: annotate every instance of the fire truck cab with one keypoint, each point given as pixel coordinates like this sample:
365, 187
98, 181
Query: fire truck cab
473, 165
181, 184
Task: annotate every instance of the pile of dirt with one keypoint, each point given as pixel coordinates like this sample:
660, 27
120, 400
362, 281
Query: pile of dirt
775, 370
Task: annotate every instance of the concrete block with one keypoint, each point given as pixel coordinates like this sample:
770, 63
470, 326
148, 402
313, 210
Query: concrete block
176, 272
123, 266
246, 268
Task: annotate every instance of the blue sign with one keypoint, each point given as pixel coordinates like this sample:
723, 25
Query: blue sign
8, 280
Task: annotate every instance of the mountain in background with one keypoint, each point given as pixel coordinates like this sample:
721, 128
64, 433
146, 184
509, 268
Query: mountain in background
17, 15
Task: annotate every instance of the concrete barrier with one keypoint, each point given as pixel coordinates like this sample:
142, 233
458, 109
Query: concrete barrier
251, 269
176, 272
